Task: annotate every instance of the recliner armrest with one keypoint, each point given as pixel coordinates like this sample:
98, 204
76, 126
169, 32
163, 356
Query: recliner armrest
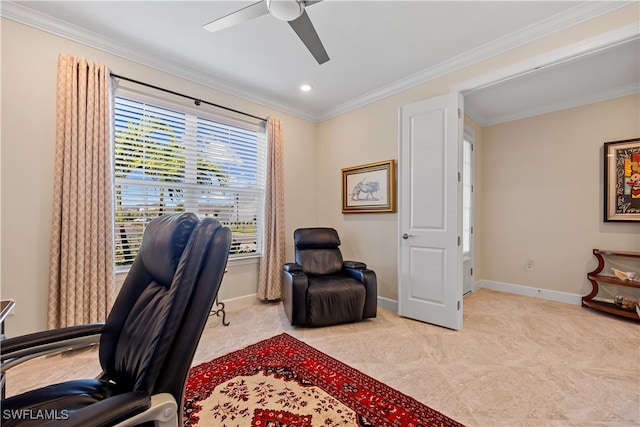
354, 264
294, 293
370, 281
293, 268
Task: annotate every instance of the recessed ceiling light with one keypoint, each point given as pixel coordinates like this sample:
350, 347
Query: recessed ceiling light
305, 87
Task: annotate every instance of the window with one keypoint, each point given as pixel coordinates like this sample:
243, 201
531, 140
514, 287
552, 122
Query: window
170, 158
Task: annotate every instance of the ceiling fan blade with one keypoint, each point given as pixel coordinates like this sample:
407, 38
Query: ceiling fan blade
252, 11
307, 33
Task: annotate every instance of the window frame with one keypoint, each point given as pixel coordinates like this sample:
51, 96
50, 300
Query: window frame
192, 114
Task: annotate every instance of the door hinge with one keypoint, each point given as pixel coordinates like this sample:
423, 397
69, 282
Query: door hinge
458, 240
471, 272
471, 229
458, 305
459, 113
459, 177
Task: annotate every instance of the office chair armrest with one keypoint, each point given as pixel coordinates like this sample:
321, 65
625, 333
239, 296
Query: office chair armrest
293, 268
109, 412
20, 349
354, 264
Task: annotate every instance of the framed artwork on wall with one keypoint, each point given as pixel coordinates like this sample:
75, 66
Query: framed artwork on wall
369, 188
622, 180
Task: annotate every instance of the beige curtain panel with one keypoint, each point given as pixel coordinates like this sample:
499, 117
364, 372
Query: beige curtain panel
273, 248
81, 267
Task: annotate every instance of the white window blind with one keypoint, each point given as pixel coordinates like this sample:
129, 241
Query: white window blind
169, 158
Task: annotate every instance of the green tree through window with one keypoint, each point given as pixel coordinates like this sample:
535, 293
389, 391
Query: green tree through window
167, 161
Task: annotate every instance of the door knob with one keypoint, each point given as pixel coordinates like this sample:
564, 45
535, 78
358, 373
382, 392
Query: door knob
406, 236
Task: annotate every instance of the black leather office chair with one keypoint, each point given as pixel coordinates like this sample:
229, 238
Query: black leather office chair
321, 289
148, 341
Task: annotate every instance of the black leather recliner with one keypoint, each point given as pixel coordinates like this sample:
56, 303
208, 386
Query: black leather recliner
321, 289
148, 341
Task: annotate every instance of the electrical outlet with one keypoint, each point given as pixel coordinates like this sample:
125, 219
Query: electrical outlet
528, 265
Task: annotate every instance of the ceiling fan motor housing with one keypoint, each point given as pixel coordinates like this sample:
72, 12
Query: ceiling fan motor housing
285, 10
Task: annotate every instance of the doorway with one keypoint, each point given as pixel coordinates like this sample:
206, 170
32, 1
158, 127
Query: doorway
468, 142
440, 301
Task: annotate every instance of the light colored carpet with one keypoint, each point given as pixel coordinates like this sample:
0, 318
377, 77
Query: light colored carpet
518, 361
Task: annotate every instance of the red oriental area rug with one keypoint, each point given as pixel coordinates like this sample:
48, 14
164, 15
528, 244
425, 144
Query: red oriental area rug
283, 382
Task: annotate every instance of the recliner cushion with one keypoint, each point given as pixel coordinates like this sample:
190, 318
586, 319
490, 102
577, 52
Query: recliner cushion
319, 261
317, 250
316, 238
334, 299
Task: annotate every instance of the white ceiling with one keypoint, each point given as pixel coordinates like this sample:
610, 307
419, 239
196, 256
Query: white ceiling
593, 77
376, 48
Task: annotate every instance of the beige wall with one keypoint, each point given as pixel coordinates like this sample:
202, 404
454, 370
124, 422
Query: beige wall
29, 59
542, 195
314, 155
370, 134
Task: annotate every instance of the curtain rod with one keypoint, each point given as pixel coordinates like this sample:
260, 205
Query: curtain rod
197, 101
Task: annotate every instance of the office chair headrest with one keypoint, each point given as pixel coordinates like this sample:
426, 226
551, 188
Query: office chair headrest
163, 242
316, 238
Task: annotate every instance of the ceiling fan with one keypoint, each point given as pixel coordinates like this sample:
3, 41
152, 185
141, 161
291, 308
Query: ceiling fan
292, 11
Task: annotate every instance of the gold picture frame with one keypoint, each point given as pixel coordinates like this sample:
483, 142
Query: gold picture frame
369, 188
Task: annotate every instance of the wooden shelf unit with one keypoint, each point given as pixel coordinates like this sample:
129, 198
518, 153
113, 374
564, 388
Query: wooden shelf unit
595, 277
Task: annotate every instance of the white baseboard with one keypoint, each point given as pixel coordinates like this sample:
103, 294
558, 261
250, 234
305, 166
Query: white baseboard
252, 299
530, 292
392, 305
565, 297
388, 304
240, 302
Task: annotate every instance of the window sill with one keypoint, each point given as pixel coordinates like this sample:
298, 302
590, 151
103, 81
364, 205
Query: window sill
121, 272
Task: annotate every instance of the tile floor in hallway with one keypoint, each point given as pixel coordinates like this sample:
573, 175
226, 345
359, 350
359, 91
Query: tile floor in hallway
518, 361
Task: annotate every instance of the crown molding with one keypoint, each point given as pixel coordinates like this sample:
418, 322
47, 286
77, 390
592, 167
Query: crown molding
16, 12
555, 57
573, 16
585, 47
587, 99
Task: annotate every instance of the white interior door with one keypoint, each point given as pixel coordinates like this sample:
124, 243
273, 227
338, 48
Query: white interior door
430, 224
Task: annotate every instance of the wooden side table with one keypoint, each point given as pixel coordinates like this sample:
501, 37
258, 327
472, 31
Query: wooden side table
594, 277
